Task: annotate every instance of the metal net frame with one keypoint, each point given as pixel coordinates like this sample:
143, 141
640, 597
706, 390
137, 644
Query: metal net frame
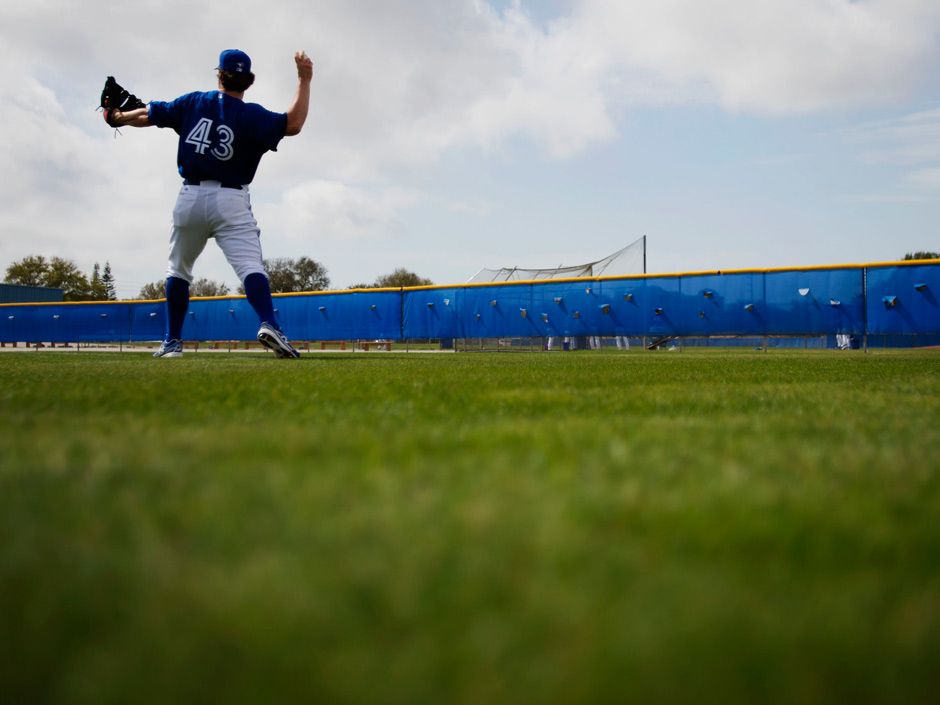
628, 260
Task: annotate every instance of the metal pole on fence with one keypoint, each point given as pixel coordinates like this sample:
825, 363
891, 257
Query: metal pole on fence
644, 254
865, 309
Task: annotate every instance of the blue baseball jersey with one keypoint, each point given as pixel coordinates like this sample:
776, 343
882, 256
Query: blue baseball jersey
221, 138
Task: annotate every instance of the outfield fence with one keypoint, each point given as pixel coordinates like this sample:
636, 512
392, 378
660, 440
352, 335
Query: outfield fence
896, 301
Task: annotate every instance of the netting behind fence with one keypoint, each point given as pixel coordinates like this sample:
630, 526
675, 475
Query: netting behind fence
628, 260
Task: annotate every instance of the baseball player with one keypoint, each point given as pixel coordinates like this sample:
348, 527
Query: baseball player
221, 141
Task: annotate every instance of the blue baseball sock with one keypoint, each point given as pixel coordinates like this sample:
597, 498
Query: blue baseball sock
258, 292
177, 302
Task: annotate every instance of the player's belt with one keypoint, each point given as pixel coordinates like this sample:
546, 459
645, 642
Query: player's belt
193, 182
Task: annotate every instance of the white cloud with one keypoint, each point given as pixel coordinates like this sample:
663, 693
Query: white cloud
89, 199
772, 56
399, 86
905, 140
407, 85
330, 210
910, 142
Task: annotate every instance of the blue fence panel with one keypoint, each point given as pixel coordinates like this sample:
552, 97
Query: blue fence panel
70, 324
566, 308
348, 316
431, 313
147, 321
550, 309
57, 324
84, 323
816, 302
14, 323
221, 319
26, 323
354, 315
903, 300
703, 310
105, 322
309, 317
595, 308
722, 304
374, 315
663, 306
629, 312
497, 311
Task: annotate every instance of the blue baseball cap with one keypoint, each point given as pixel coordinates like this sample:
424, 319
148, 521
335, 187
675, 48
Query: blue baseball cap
234, 61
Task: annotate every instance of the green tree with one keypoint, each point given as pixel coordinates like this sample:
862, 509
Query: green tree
401, 277
107, 279
207, 287
200, 287
921, 255
36, 270
65, 275
311, 275
303, 274
29, 271
288, 275
153, 290
96, 286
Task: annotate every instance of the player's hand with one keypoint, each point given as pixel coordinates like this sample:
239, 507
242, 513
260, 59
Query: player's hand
304, 66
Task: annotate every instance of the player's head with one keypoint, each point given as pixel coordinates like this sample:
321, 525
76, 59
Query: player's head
235, 70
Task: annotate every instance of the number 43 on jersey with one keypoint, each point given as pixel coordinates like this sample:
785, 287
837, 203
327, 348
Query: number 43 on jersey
201, 138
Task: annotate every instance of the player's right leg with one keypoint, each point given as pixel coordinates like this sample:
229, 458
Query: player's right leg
239, 238
170, 349
187, 240
273, 338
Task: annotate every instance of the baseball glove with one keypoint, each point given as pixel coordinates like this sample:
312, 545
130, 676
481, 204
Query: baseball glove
115, 98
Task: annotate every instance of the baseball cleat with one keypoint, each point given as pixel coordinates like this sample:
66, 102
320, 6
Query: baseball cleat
170, 348
274, 340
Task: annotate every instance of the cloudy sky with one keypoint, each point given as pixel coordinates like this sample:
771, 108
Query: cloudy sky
447, 135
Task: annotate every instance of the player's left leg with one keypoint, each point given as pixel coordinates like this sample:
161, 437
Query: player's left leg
177, 303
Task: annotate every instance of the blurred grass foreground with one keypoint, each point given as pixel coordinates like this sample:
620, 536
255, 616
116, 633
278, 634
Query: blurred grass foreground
599, 527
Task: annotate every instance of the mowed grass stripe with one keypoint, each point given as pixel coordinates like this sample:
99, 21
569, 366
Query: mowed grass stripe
728, 526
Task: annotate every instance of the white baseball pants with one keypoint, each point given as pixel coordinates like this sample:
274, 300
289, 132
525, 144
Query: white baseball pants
209, 210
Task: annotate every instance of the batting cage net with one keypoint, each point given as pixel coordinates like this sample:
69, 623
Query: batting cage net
629, 260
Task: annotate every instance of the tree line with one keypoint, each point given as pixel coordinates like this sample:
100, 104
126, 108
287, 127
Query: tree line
60, 273
284, 273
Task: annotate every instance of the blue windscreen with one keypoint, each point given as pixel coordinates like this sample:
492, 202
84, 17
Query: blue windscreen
885, 300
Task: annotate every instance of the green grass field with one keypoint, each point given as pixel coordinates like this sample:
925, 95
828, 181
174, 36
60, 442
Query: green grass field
698, 526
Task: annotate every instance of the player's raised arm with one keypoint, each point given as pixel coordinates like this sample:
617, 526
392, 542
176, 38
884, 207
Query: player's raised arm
297, 113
